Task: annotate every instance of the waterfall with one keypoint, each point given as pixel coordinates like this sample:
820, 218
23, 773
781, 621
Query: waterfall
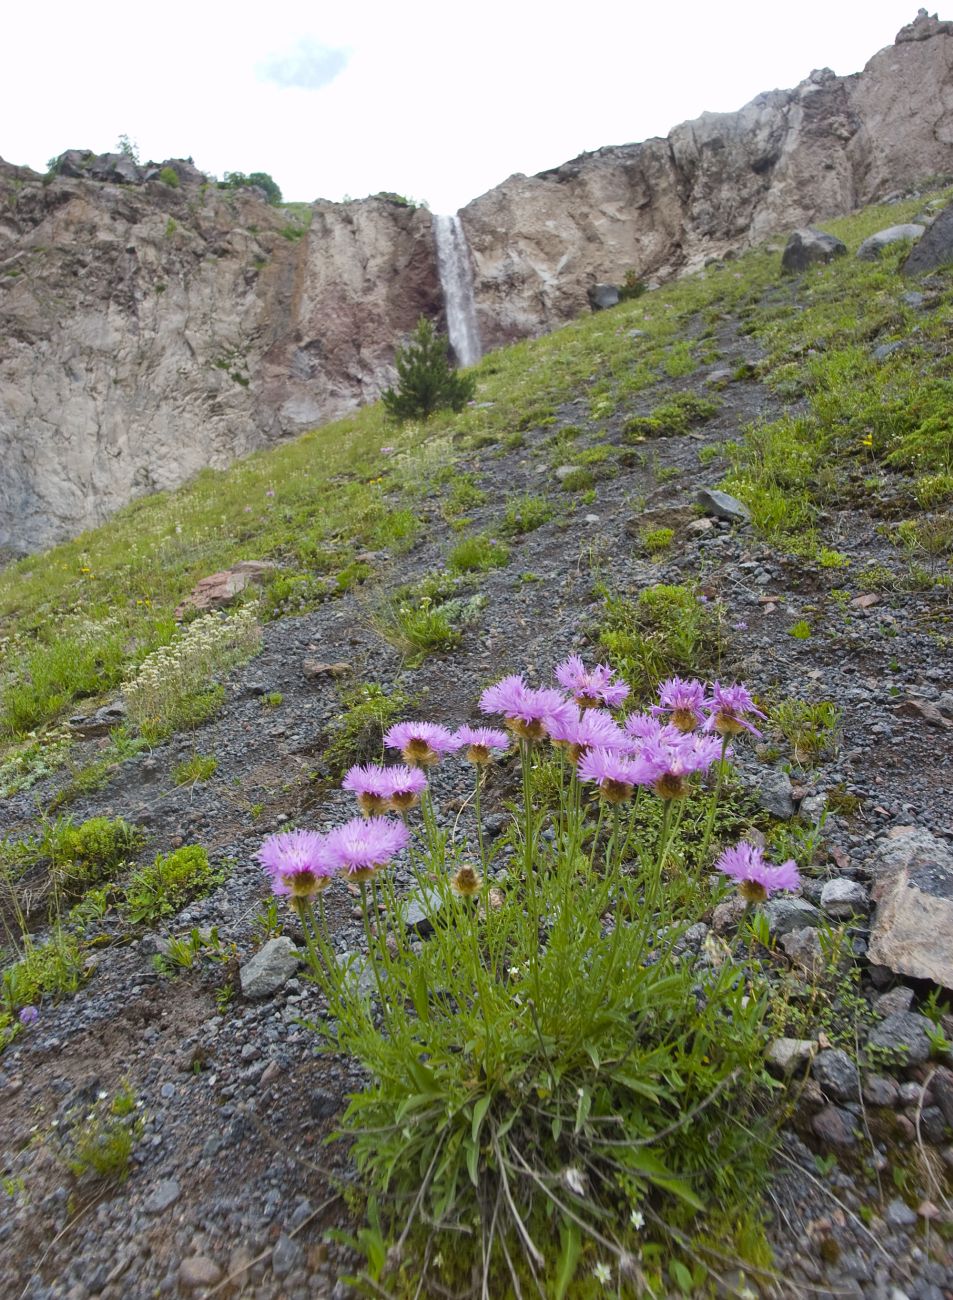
456, 280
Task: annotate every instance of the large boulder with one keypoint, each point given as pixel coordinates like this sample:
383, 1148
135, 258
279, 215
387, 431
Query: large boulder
874, 245
935, 248
912, 930
810, 247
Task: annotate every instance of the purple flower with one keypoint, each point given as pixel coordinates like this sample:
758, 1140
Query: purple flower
385, 789
362, 847
481, 741
591, 687
28, 1015
298, 862
672, 756
740, 626
683, 700
615, 775
642, 727
421, 743
583, 729
729, 705
756, 878
527, 711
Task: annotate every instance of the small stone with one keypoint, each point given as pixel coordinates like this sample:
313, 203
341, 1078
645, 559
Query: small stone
943, 1091
898, 999
314, 669
785, 1055
932, 1124
418, 911
271, 967
286, 1255
880, 1090
834, 1127
842, 899
837, 1074
165, 1193
805, 951
899, 1215
905, 1034
775, 794
728, 914
198, 1270
787, 914
564, 471
723, 506
270, 1073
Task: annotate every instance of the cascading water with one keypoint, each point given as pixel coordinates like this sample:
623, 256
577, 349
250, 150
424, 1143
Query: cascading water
456, 280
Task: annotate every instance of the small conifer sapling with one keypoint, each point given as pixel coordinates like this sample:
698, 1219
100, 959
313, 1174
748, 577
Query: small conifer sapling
427, 382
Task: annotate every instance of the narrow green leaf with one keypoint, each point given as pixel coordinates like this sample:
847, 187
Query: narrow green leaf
570, 1245
479, 1112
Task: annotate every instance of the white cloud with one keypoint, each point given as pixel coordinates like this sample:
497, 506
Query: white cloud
308, 65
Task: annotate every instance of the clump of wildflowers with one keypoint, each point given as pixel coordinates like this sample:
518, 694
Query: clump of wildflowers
683, 701
730, 707
591, 687
298, 863
421, 743
385, 789
526, 711
481, 742
361, 847
757, 879
672, 756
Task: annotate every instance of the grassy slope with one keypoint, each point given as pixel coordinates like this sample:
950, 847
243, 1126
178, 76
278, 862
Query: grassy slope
76, 619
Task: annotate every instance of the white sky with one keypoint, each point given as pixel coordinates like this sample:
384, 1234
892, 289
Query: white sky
435, 100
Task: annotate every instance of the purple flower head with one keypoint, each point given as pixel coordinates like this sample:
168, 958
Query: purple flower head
481, 741
371, 784
672, 756
729, 705
756, 878
421, 743
684, 701
615, 775
591, 687
404, 787
298, 862
28, 1015
527, 711
361, 847
583, 729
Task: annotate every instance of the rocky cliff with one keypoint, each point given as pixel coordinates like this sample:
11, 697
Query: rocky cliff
149, 329
718, 183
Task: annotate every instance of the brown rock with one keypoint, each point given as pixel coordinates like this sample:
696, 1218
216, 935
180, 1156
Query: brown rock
834, 1127
314, 669
912, 930
914, 708
220, 589
865, 601
198, 1271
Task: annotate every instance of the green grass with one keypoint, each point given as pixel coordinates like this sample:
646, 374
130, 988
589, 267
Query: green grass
367, 710
525, 513
477, 554
676, 415
666, 630
200, 767
167, 884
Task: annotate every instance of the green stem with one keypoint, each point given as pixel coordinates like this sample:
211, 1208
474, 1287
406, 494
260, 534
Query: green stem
479, 818
713, 806
370, 948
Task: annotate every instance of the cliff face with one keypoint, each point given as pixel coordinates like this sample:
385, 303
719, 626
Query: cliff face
148, 331
720, 182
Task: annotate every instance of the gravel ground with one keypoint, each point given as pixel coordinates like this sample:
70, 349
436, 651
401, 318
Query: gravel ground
232, 1178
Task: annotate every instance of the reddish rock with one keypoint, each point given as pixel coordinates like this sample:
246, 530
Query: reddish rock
220, 589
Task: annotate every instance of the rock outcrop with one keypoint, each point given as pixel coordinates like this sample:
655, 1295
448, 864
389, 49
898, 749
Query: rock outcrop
714, 185
152, 326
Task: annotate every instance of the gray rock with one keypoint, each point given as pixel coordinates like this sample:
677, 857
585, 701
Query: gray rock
602, 296
718, 377
906, 1035
419, 909
885, 350
874, 245
898, 999
812, 808
775, 793
932, 1124
804, 948
787, 914
837, 1074
723, 506
198, 1271
165, 1193
913, 922
880, 1090
286, 1255
271, 967
785, 1055
834, 1126
808, 247
844, 898
935, 249
564, 471
899, 1215
913, 299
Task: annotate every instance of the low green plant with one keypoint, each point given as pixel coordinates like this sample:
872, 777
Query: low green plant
932, 490
579, 479
676, 415
525, 513
463, 494
183, 952
169, 176
810, 727
33, 759
656, 541
679, 360
357, 733
417, 628
631, 287
800, 630
426, 382
99, 1145
171, 689
51, 969
272, 699
668, 630
200, 767
167, 884
830, 559
478, 554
